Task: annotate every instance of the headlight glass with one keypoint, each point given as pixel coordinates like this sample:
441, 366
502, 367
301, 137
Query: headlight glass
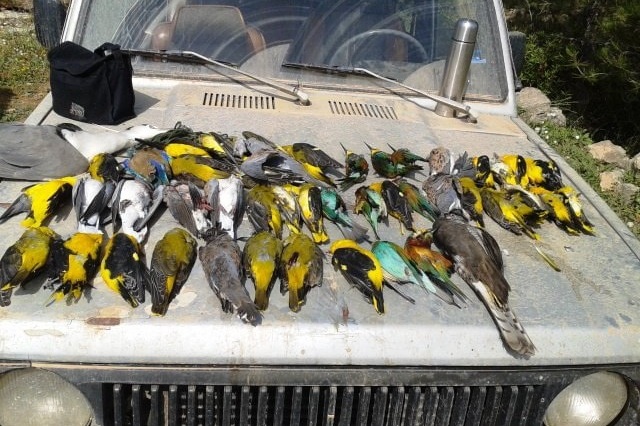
31, 396
593, 400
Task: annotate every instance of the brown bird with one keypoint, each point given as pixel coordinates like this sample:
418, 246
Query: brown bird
478, 260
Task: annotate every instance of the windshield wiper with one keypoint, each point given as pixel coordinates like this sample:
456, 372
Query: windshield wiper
460, 107
194, 57
472, 116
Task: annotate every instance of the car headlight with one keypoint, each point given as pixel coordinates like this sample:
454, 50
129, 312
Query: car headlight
593, 400
31, 396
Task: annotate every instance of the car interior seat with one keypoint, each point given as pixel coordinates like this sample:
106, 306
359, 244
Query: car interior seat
216, 31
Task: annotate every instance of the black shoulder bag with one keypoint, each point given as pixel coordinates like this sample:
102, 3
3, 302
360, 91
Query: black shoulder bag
91, 86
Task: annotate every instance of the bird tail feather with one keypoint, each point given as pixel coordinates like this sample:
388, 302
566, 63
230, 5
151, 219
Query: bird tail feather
512, 332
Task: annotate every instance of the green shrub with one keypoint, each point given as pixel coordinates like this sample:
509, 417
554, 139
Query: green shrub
586, 52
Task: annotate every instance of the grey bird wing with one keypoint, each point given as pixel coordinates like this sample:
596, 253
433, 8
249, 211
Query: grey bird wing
101, 201
221, 260
22, 204
21, 153
156, 201
180, 210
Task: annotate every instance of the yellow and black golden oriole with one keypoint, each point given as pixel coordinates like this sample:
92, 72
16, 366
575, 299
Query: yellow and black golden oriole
40, 201
72, 265
171, 263
261, 258
301, 269
24, 259
361, 269
123, 268
310, 203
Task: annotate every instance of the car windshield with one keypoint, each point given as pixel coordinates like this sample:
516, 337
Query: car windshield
310, 42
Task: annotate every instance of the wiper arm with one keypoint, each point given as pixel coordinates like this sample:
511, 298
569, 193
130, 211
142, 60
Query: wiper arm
472, 116
187, 55
458, 106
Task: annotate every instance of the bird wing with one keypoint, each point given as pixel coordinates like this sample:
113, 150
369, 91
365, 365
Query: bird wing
21, 148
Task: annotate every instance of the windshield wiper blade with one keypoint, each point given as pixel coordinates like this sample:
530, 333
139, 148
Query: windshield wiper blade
338, 69
189, 56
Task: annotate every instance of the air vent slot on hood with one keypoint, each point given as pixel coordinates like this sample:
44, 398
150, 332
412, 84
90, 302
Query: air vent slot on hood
364, 110
238, 101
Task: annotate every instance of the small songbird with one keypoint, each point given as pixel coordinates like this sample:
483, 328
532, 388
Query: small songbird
104, 167
361, 269
442, 160
286, 199
310, 203
443, 191
417, 201
356, 169
471, 199
231, 205
211, 142
277, 167
221, 260
171, 263
199, 169
91, 202
509, 211
301, 269
335, 209
478, 260
133, 204
437, 267
315, 161
24, 260
517, 174
252, 143
399, 268
369, 202
40, 201
384, 165
544, 173
562, 212
397, 204
570, 197
404, 156
72, 264
150, 165
187, 205
263, 211
484, 176
261, 258
124, 270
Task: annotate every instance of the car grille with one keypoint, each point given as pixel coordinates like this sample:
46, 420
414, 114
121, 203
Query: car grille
327, 405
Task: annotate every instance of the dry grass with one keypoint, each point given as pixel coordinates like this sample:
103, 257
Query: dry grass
24, 70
